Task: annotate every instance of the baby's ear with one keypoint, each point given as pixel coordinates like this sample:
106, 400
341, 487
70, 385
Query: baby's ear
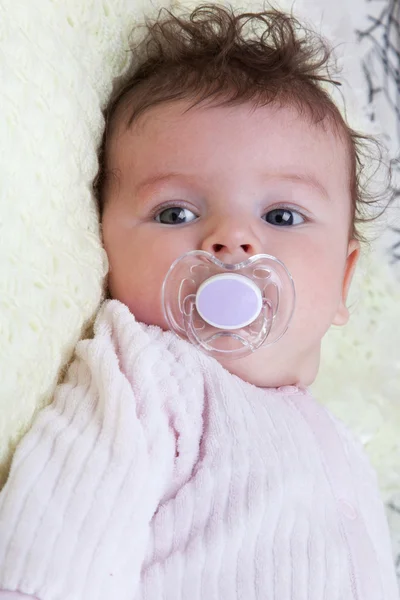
353, 253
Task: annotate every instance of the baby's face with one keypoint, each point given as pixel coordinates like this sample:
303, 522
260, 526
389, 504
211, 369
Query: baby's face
234, 181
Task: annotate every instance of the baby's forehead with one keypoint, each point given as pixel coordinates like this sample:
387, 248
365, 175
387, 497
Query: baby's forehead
179, 129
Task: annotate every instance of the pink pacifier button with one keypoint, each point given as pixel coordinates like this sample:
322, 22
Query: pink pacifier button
228, 301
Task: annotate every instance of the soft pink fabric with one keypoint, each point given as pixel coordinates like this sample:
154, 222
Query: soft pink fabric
14, 596
157, 475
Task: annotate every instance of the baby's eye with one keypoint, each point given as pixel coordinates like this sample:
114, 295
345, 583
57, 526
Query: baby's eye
175, 215
284, 217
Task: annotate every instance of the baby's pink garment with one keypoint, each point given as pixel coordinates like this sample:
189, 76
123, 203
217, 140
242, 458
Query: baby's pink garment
14, 596
157, 475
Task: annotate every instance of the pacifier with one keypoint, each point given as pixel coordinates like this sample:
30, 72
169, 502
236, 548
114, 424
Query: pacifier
228, 310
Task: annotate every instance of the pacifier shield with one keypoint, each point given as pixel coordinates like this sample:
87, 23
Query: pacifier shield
228, 310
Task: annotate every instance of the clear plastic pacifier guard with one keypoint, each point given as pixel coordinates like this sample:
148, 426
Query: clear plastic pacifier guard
228, 311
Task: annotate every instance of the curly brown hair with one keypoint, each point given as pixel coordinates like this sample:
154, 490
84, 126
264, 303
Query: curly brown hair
205, 55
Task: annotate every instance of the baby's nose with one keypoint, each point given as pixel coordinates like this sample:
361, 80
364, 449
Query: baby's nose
232, 242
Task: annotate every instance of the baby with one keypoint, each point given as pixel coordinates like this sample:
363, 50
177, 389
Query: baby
160, 471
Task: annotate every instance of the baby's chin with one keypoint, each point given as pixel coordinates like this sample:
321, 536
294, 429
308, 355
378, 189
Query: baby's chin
253, 369
265, 368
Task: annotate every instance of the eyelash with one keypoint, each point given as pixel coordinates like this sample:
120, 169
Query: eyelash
177, 204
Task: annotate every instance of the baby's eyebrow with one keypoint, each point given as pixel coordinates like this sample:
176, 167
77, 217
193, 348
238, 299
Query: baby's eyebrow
303, 178
306, 179
159, 178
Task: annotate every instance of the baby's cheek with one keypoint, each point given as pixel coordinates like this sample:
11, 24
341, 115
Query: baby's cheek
145, 300
316, 300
